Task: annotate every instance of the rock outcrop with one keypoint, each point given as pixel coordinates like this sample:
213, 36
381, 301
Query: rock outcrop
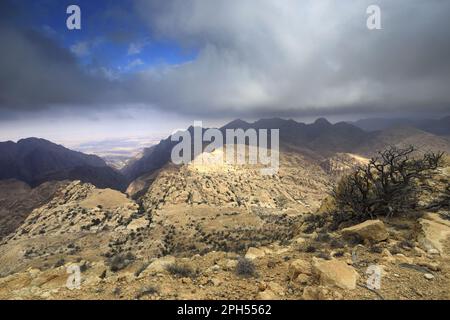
335, 273
370, 230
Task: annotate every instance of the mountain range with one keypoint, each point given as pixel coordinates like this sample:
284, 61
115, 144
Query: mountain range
35, 161
319, 139
182, 231
435, 126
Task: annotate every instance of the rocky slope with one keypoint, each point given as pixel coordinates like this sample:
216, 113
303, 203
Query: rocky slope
403, 136
17, 200
35, 161
186, 247
221, 231
435, 126
309, 267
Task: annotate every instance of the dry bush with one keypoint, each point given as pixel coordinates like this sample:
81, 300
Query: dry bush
245, 268
120, 261
386, 186
147, 291
181, 270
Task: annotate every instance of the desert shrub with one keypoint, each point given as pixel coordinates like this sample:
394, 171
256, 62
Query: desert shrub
387, 185
406, 244
84, 267
146, 291
282, 201
376, 249
245, 268
395, 249
338, 254
181, 270
323, 255
337, 244
60, 263
323, 237
313, 222
310, 248
120, 261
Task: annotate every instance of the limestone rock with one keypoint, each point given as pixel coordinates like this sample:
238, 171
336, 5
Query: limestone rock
370, 230
302, 279
428, 276
275, 288
335, 273
254, 253
434, 232
401, 258
433, 266
298, 267
160, 265
267, 295
320, 293
137, 224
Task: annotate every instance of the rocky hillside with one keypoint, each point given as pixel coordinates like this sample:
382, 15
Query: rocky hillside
300, 185
18, 199
401, 137
435, 126
186, 247
210, 230
313, 266
35, 161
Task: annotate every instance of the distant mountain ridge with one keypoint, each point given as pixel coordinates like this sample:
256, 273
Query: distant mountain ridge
434, 126
321, 137
35, 161
318, 139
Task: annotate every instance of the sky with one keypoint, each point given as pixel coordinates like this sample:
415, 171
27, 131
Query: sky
148, 67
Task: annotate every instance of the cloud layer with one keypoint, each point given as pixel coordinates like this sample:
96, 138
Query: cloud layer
260, 57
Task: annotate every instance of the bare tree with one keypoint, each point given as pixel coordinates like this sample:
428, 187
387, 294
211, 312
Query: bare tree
387, 184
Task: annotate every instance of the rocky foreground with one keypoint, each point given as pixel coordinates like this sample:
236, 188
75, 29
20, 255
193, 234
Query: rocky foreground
184, 238
314, 267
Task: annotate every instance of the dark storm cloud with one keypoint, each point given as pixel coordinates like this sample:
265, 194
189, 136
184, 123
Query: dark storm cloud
36, 72
304, 57
255, 58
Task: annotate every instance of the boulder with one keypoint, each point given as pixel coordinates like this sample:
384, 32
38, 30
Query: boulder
402, 259
434, 232
302, 279
433, 266
370, 230
335, 273
267, 295
298, 267
320, 293
159, 265
275, 288
254, 253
